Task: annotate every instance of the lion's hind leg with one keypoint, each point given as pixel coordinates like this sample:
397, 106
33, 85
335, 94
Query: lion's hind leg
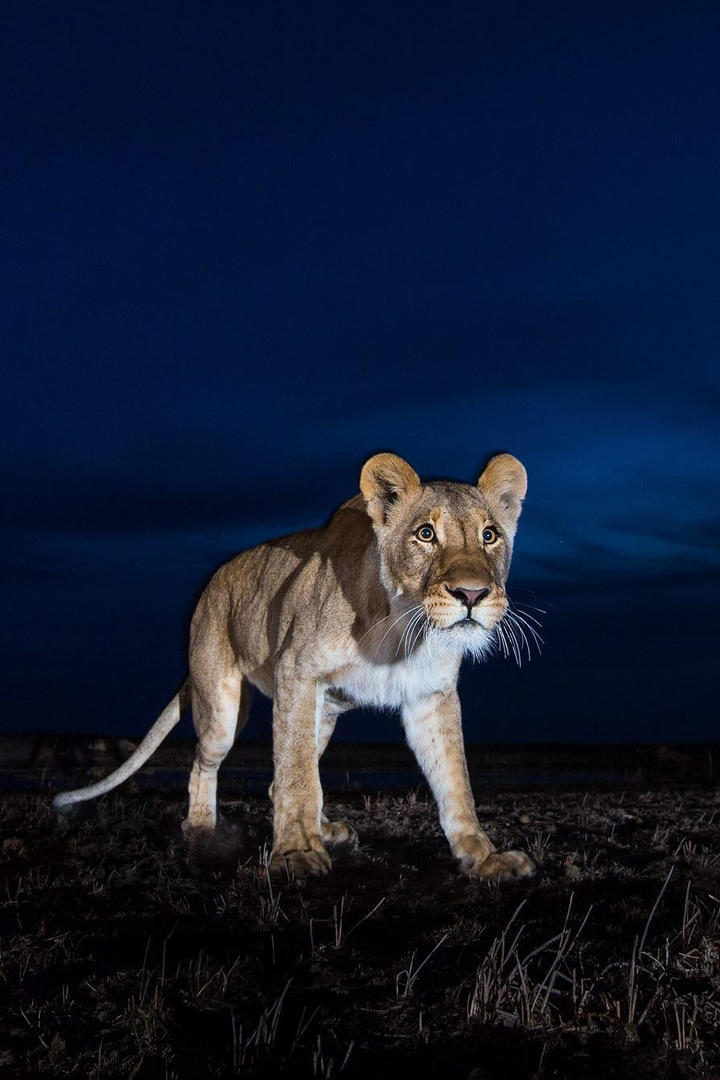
215, 717
337, 832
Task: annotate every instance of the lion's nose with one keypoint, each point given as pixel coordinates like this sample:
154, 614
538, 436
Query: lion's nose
468, 596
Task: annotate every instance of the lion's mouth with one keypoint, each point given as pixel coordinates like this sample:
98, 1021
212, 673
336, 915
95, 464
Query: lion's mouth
461, 621
466, 620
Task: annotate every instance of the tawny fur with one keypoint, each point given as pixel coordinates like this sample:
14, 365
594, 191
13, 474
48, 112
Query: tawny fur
377, 608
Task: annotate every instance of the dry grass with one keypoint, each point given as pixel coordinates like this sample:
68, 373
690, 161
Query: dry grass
123, 954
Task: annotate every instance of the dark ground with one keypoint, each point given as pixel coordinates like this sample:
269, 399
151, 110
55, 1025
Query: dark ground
123, 955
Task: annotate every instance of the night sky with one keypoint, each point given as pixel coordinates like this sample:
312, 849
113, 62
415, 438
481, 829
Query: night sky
247, 246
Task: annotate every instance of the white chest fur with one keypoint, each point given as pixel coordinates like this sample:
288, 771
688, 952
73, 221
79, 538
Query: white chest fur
432, 667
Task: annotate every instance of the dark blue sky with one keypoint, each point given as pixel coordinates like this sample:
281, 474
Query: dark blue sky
246, 247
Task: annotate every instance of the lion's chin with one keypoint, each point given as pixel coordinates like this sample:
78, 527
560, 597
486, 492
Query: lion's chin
465, 635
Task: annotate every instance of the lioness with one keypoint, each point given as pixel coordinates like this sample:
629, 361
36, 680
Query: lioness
376, 608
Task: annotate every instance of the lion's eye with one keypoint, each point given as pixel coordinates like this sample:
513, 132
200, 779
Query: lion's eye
489, 535
426, 533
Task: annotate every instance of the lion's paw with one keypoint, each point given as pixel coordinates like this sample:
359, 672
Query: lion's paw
299, 864
504, 865
338, 832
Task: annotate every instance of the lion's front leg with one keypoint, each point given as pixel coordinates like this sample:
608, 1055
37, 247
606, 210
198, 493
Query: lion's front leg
298, 848
434, 732
333, 832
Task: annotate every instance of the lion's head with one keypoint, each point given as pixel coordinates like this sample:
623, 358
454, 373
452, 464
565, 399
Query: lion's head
446, 546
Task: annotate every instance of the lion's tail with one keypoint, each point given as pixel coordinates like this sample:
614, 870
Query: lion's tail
165, 722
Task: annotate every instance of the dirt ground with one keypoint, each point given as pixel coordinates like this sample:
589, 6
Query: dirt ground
126, 955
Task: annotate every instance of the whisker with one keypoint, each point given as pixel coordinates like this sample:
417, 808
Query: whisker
505, 639
524, 604
421, 632
404, 632
515, 616
415, 634
384, 619
407, 631
411, 638
521, 630
526, 595
428, 629
531, 629
542, 610
527, 614
399, 619
523, 636
501, 640
510, 631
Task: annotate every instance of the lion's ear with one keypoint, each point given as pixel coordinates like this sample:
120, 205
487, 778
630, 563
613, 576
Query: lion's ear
504, 484
386, 478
